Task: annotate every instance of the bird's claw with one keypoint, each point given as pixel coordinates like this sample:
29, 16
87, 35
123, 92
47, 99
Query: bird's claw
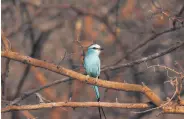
98, 99
96, 79
87, 77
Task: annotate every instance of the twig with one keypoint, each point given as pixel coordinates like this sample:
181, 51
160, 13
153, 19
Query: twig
165, 67
178, 15
4, 76
6, 42
179, 66
41, 98
153, 37
173, 18
29, 93
144, 59
62, 58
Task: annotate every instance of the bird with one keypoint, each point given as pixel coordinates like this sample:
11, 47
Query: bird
92, 66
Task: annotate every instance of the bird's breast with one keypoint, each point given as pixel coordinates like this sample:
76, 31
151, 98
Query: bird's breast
92, 65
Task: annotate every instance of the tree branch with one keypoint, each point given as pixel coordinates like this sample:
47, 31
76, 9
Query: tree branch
66, 72
76, 104
171, 109
29, 93
153, 38
144, 59
5, 41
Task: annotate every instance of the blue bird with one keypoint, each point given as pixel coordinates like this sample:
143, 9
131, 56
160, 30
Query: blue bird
92, 67
92, 64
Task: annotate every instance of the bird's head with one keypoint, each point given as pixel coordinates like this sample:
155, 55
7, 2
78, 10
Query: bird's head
95, 48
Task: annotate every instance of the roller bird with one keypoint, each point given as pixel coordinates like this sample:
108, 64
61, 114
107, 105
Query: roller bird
92, 67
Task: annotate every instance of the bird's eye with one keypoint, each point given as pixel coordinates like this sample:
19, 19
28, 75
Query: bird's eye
94, 48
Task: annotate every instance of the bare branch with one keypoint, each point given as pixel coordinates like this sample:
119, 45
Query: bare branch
5, 41
4, 76
31, 92
66, 72
173, 18
170, 109
144, 59
153, 37
77, 104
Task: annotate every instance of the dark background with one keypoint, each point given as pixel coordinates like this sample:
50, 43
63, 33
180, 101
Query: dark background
46, 30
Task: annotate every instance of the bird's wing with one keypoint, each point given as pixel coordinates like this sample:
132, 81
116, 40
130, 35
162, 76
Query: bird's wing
98, 64
85, 63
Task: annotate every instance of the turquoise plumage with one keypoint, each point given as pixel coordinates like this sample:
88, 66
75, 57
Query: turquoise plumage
92, 67
92, 64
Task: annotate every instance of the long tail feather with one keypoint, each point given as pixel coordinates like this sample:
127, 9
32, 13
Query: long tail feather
103, 112
96, 92
99, 113
98, 100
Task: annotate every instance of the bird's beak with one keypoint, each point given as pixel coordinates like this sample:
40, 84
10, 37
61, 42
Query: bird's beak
101, 49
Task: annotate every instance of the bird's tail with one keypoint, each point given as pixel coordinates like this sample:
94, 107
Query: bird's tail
98, 100
99, 112
96, 92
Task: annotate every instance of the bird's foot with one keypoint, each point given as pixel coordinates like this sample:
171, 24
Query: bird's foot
87, 77
96, 79
98, 99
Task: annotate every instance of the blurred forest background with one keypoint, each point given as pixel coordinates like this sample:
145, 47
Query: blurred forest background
127, 29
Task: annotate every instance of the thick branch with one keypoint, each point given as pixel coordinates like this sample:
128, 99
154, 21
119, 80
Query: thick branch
168, 109
66, 72
77, 104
